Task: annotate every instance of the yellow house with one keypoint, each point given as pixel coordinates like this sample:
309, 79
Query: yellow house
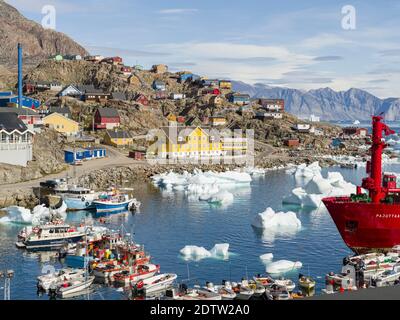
225, 84
61, 124
118, 138
189, 142
217, 121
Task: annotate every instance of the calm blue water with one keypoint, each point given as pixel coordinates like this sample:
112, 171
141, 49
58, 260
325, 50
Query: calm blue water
168, 222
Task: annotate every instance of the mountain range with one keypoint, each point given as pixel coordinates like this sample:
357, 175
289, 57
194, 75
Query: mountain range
329, 105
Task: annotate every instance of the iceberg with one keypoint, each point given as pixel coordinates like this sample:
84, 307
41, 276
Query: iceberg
267, 257
16, 214
207, 186
269, 219
283, 266
190, 252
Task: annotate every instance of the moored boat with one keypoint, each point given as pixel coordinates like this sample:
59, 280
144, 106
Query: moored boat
288, 284
77, 198
305, 282
155, 283
114, 202
74, 286
136, 273
56, 278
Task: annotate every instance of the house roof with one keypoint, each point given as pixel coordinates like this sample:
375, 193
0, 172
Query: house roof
85, 88
19, 111
9, 122
119, 134
61, 115
173, 132
108, 112
60, 110
119, 95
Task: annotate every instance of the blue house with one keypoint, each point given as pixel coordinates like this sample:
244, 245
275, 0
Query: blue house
241, 99
8, 97
71, 155
188, 77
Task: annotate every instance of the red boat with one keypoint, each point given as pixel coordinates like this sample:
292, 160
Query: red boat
370, 221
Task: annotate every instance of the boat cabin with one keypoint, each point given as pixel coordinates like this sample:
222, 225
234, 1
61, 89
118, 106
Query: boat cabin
389, 181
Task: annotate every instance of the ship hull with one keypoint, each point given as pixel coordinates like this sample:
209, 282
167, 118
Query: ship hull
365, 227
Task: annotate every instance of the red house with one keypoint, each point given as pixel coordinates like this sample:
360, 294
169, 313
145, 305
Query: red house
126, 70
113, 60
106, 118
180, 119
214, 91
142, 99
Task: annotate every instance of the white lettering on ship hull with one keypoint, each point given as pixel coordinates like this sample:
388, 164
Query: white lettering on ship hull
388, 215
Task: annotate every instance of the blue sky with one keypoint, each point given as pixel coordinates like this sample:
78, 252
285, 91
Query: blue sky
291, 43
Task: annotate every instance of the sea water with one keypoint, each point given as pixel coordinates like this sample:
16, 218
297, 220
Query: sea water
168, 221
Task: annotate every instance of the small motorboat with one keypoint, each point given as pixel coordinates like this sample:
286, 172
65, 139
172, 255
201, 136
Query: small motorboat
242, 290
191, 294
105, 271
135, 274
156, 283
306, 283
225, 290
285, 283
258, 288
72, 287
264, 280
114, 202
280, 293
387, 278
297, 295
56, 278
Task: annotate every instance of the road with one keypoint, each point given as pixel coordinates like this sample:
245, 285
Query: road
114, 158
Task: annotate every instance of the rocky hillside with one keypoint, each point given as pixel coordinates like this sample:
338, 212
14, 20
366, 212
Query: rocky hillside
38, 43
353, 104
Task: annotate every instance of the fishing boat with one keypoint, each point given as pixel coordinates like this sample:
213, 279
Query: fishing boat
57, 277
53, 236
136, 273
75, 197
242, 290
74, 286
155, 283
258, 289
387, 278
285, 283
305, 282
191, 294
370, 221
106, 270
279, 293
115, 202
264, 280
225, 290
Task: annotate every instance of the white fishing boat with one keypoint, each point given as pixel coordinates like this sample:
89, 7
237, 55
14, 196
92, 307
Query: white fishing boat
280, 293
225, 290
192, 294
140, 272
258, 288
77, 198
242, 290
71, 287
285, 283
387, 278
264, 280
53, 236
56, 278
306, 282
156, 283
105, 271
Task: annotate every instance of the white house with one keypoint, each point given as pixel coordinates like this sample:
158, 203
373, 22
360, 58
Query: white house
177, 96
71, 91
15, 140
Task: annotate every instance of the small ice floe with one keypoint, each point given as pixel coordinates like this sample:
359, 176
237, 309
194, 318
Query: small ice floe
266, 257
269, 219
283, 266
37, 216
222, 197
219, 251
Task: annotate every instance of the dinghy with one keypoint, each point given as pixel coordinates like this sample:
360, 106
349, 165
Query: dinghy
288, 284
72, 287
56, 278
156, 283
306, 282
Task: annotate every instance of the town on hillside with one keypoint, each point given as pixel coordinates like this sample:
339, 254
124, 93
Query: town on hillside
93, 103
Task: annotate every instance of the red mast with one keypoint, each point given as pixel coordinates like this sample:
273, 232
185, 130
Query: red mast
374, 167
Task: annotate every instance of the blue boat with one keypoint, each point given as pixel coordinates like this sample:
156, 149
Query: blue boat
113, 203
77, 198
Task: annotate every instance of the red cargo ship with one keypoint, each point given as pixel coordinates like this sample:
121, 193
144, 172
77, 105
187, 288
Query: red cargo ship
370, 221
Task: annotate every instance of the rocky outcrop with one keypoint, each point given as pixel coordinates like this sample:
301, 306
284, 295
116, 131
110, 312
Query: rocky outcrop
38, 43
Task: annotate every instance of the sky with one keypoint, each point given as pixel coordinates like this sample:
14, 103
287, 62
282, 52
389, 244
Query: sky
290, 43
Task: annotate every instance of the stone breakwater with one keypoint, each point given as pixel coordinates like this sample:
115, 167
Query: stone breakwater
129, 174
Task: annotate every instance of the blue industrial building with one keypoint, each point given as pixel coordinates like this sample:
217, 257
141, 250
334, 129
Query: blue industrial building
7, 98
71, 155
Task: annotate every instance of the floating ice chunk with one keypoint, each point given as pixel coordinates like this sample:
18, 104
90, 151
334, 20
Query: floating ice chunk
195, 252
223, 197
356, 122
266, 257
283, 266
220, 250
190, 252
318, 185
16, 214
271, 220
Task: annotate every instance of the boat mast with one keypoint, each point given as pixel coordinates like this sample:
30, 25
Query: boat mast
374, 167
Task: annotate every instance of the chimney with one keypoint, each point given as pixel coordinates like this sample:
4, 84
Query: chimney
20, 75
